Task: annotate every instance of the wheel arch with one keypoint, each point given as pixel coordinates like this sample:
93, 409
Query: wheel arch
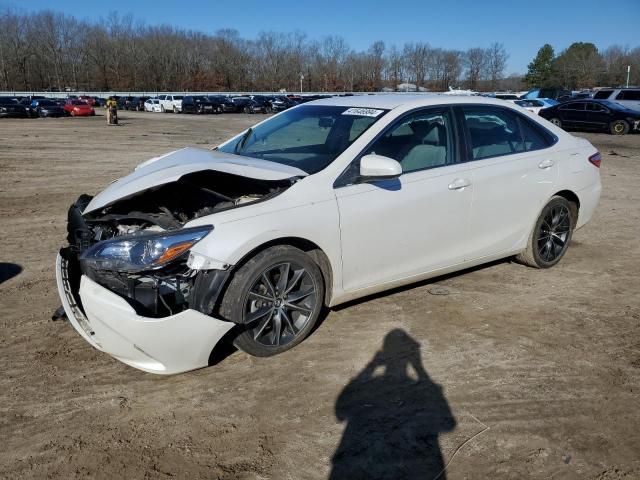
310, 248
569, 196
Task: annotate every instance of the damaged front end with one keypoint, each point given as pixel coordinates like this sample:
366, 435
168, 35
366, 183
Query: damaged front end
137, 247
125, 279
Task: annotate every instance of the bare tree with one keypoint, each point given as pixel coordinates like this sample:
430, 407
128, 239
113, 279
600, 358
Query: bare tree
496, 62
476, 63
417, 56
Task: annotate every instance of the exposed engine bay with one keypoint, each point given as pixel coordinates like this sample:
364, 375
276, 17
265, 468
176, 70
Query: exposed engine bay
173, 287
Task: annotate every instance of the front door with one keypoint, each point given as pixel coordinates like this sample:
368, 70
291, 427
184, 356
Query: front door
400, 228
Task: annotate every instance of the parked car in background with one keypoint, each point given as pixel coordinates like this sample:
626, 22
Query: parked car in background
100, 102
628, 97
581, 95
281, 103
78, 108
603, 115
137, 104
537, 104
152, 105
123, 102
90, 100
504, 96
224, 102
199, 104
26, 103
11, 108
170, 103
317, 206
47, 108
555, 93
246, 105
264, 102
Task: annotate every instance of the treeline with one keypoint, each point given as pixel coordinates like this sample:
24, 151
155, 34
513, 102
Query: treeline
45, 50
583, 66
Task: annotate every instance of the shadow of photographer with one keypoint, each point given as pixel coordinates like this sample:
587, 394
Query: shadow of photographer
393, 421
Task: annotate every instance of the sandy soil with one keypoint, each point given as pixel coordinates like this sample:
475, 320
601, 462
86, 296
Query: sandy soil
543, 365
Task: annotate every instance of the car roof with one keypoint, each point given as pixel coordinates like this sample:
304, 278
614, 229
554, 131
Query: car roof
394, 100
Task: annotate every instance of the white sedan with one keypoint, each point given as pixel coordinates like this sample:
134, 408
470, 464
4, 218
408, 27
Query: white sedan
321, 204
152, 105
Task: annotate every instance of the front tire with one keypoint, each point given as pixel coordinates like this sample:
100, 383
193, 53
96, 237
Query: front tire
556, 121
551, 234
276, 297
619, 127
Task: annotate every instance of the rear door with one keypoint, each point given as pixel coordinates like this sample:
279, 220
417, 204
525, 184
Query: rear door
513, 174
599, 116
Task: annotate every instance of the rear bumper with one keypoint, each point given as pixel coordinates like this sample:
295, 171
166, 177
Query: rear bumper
167, 345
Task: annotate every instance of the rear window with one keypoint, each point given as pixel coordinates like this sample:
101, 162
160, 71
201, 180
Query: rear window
602, 94
628, 95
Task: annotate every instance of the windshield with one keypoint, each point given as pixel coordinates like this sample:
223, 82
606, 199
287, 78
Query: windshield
309, 137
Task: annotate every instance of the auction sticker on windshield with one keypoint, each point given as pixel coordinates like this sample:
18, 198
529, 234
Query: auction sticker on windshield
363, 112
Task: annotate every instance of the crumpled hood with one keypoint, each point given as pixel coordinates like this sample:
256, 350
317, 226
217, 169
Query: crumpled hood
171, 166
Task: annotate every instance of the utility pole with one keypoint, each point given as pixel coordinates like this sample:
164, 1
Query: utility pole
628, 72
301, 78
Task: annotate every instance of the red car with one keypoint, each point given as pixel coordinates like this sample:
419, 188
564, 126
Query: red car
78, 108
90, 100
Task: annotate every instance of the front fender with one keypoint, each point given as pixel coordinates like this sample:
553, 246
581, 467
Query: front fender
233, 240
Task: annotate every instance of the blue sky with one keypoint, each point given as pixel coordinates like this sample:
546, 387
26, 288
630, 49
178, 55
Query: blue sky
523, 27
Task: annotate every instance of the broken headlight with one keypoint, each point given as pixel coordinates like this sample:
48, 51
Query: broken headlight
135, 253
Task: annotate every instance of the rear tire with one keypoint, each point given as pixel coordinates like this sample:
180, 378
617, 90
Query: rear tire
276, 298
551, 234
619, 127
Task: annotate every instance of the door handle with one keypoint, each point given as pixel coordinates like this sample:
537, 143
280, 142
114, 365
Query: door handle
546, 164
459, 184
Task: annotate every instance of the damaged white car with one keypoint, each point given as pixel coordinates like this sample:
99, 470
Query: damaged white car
321, 204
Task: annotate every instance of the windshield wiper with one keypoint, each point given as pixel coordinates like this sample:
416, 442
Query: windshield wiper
243, 140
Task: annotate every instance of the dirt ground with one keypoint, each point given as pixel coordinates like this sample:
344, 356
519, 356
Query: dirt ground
543, 367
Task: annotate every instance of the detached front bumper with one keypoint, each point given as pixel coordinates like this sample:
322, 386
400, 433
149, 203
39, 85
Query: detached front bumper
167, 345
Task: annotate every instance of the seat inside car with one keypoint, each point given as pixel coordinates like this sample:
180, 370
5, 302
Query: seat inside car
427, 147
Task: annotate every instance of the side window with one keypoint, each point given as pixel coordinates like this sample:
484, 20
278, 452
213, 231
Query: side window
572, 106
534, 137
628, 95
492, 132
419, 141
595, 107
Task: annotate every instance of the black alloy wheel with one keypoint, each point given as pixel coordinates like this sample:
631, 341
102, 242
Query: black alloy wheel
279, 304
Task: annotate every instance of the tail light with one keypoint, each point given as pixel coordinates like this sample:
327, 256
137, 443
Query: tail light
596, 159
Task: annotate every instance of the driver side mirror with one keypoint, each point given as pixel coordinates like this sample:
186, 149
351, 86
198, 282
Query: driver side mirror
378, 167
